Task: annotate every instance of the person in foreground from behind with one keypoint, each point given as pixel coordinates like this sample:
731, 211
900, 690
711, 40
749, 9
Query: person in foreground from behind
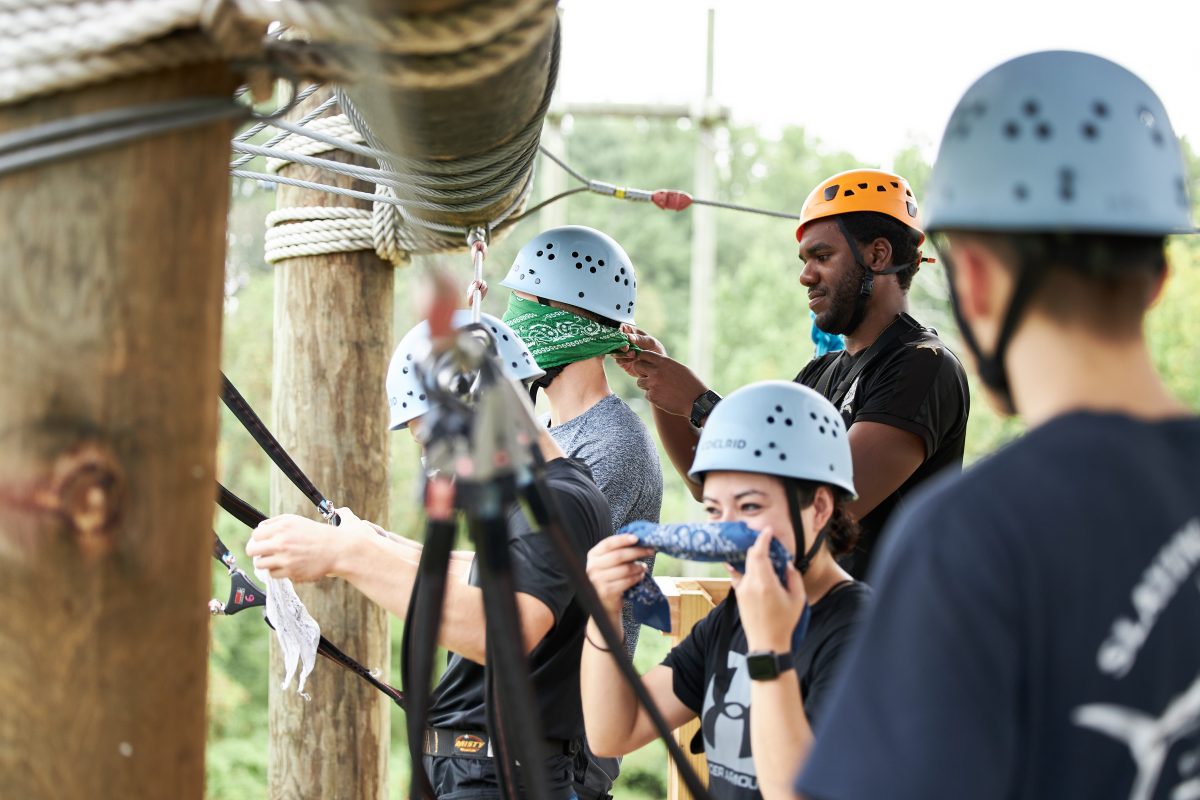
458, 752
1035, 630
775, 456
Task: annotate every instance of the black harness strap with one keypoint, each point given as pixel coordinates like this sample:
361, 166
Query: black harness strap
238, 508
903, 324
245, 593
254, 426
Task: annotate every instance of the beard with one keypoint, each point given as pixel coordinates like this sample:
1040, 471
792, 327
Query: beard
840, 299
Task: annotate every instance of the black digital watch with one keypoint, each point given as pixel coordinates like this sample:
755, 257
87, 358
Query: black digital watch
702, 406
767, 665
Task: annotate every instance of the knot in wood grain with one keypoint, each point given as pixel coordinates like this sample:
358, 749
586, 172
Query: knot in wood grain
88, 490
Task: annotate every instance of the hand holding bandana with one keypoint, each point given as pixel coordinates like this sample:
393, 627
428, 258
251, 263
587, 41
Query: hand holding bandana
556, 337
693, 541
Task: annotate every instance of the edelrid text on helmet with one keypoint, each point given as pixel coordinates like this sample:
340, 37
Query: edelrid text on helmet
777, 428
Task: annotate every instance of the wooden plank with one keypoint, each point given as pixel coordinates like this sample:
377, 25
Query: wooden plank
690, 600
333, 338
110, 317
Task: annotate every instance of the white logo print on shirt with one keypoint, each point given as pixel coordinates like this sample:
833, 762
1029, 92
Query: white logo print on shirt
1150, 738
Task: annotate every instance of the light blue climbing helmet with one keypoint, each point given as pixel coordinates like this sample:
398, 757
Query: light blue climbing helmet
1059, 141
777, 428
579, 266
406, 394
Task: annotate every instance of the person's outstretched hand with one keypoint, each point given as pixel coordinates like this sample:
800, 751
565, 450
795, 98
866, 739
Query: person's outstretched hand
295, 547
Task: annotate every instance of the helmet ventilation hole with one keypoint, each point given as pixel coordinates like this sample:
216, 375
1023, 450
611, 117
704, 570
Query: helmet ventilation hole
551, 256
848, 193
1044, 131
1021, 192
1066, 184
831, 192
1031, 108
1011, 130
1100, 109
1090, 131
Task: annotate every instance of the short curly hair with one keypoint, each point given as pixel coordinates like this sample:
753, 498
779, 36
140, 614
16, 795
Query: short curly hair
867, 226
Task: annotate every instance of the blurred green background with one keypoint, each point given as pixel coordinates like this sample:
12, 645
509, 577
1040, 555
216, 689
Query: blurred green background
760, 330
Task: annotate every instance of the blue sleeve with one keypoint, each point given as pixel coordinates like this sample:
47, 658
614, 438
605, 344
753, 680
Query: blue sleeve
926, 705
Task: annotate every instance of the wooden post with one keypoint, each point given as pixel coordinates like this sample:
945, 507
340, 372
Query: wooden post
110, 320
704, 225
690, 600
333, 338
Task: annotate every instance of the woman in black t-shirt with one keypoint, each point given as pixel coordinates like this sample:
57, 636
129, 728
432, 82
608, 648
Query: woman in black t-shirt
773, 455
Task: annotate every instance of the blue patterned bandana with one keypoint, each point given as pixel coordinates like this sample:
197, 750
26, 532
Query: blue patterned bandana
692, 541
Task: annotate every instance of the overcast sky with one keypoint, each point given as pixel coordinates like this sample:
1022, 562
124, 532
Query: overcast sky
869, 77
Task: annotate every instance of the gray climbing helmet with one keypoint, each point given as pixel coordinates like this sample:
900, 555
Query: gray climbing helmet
777, 428
406, 394
1059, 141
579, 266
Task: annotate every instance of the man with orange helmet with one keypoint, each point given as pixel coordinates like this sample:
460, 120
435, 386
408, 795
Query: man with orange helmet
902, 394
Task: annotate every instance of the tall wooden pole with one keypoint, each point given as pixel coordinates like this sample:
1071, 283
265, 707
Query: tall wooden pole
333, 338
704, 226
110, 320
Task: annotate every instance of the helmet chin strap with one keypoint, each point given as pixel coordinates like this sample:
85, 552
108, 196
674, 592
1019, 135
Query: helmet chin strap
991, 367
868, 277
793, 497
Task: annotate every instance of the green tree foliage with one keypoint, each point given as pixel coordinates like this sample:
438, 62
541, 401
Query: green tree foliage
760, 329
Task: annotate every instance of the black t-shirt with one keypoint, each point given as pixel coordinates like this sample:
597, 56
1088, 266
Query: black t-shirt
537, 571
1036, 629
915, 384
725, 711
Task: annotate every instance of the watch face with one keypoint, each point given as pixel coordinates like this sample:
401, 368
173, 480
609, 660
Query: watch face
762, 666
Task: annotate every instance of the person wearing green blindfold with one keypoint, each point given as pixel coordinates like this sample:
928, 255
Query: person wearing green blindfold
572, 289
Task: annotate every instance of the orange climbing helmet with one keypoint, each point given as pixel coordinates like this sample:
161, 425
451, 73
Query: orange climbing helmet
862, 190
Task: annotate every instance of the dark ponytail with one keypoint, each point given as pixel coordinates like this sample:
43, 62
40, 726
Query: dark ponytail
840, 532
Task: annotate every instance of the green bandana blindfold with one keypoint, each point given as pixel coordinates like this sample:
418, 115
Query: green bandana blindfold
556, 337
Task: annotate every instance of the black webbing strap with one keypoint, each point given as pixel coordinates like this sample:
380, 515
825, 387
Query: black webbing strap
901, 325
238, 508
220, 551
254, 426
250, 516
